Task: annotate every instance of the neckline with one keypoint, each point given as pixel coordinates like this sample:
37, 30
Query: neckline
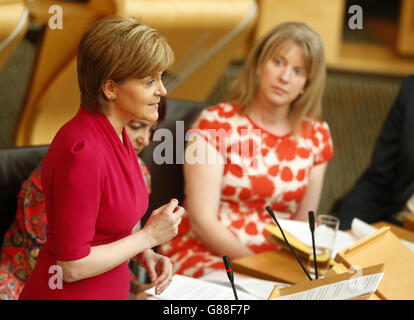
107, 123
267, 131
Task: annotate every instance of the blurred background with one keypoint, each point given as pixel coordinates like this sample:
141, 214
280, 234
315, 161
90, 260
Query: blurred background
38, 41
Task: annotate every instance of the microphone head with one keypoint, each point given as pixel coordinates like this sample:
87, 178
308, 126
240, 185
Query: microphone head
229, 272
272, 214
227, 262
311, 216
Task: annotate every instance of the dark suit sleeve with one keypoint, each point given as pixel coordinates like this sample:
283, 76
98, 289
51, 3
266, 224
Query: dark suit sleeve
371, 196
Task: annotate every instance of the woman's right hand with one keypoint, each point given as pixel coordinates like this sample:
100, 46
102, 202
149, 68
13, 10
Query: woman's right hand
163, 223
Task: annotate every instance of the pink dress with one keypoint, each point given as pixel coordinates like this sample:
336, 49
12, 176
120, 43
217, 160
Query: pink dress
260, 169
27, 234
95, 195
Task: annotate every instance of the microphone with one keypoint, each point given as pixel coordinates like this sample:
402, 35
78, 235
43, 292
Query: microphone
311, 216
284, 237
229, 272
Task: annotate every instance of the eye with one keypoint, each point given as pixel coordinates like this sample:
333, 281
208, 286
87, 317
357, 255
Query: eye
299, 72
133, 127
136, 126
150, 82
278, 61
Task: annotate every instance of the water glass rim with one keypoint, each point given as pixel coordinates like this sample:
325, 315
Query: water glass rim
328, 217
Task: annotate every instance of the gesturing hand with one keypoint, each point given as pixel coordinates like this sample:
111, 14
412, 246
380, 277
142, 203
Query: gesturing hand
159, 269
163, 223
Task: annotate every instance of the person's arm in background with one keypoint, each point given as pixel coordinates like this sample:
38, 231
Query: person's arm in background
310, 201
372, 192
203, 192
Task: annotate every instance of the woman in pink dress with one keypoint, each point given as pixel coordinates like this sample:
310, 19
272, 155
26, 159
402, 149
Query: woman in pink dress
27, 234
94, 189
264, 146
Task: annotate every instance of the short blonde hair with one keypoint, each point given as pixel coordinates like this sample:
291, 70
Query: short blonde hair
309, 104
118, 48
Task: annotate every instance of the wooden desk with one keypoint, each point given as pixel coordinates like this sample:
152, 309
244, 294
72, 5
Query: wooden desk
281, 266
399, 232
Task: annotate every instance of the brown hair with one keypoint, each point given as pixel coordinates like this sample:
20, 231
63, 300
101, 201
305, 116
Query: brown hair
118, 48
309, 104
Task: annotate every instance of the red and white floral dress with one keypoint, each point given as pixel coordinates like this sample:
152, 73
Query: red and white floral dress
260, 169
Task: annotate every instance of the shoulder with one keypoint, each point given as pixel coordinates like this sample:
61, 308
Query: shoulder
317, 131
220, 116
76, 148
223, 110
77, 139
74, 155
314, 128
76, 129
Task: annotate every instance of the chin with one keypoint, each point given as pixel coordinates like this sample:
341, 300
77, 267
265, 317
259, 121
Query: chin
153, 117
148, 116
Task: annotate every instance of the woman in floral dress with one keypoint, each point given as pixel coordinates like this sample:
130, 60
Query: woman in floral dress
264, 146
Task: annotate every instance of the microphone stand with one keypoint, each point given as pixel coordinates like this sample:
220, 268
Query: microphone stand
311, 216
284, 237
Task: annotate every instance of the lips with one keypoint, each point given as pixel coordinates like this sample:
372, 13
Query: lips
154, 105
279, 90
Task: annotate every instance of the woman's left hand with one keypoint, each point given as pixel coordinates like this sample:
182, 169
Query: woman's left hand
159, 269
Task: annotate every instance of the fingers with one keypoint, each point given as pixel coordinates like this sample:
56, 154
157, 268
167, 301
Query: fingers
144, 286
152, 275
163, 282
164, 267
141, 295
163, 224
171, 205
176, 211
179, 211
162, 286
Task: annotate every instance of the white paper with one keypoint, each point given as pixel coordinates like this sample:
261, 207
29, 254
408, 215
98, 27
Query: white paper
359, 228
301, 231
257, 287
187, 288
342, 290
260, 288
219, 275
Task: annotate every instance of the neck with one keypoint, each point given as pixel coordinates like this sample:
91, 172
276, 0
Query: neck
116, 120
273, 119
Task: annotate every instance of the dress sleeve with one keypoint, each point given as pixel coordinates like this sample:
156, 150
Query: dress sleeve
77, 190
214, 125
322, 143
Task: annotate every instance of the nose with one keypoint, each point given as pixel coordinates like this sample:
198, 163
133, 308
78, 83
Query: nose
144, 139
161, 89
285, 75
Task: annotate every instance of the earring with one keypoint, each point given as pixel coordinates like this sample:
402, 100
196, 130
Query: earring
113, 97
